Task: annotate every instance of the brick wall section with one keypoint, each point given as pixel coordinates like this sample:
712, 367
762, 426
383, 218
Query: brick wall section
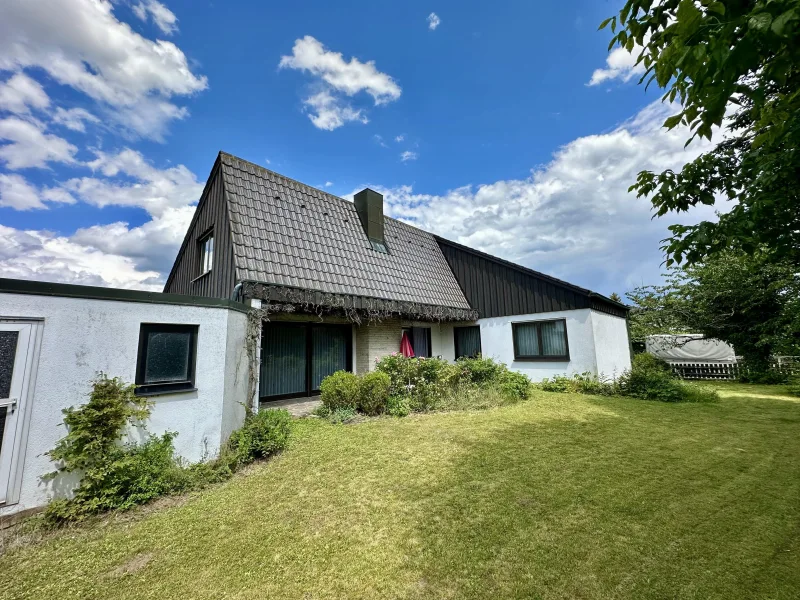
376, 341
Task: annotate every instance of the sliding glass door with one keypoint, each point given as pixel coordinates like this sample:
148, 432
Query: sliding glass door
296, 357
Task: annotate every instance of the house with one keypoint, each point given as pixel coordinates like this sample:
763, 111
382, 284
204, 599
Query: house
276, 285
339, 282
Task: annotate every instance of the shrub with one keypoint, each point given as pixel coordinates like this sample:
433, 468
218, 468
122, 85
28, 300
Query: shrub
772, 377
515, 385
421, 380
580, 383
481, 370
650, 378
264, 433
373, 393
117, 476
340, 390
398, 406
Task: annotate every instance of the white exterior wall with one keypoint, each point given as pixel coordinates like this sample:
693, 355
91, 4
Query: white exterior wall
80, 337
598, 343
612, 343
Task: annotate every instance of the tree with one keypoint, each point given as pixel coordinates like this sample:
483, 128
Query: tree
751, 302
615, 297
733, 64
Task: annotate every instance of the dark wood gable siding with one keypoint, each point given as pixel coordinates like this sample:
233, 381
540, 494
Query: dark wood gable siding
211, 212
497, 288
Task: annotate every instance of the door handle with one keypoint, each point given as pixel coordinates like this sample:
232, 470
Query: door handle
10, 404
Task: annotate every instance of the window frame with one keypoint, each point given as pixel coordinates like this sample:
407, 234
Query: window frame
409, 329
171, 387
540, 357
455, 341
202, 241
307, 326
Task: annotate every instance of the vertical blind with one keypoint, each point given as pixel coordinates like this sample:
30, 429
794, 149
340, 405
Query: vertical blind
554, 338
283, 360
421, 341
8, 353
296, 357
468, 341
328, 352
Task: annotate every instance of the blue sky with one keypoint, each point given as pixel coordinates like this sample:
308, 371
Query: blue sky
507, 127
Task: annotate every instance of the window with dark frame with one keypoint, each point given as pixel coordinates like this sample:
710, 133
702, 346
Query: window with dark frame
420, 338
166, 362
541, 340
467, 341
206, 243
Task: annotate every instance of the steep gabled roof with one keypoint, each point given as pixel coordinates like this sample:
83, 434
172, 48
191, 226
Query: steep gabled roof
286, 233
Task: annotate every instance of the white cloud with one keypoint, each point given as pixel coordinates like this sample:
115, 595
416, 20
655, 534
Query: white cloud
137, 183
408, 155
41, 255
337, 79
29, 146
433, 21
163, 17
74, 118
399, 138
17, 193
82, 44
20, 93
621, 65
328, 184
573, 217
379, 140
328, 112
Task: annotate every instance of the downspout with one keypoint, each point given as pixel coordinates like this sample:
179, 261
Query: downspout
236, 293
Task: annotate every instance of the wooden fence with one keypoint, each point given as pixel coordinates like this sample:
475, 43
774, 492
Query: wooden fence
730, 371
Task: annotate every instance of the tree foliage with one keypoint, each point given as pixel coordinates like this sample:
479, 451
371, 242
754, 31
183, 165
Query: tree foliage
733, 64
751, 302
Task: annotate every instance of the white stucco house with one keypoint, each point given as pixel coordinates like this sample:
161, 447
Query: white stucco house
277, 285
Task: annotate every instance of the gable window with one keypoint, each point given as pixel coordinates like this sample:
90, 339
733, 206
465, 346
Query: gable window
420, 338
541, 340
166, 360
467, 341
206, 252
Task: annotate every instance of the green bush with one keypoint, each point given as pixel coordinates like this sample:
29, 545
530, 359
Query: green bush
580, 383
264, 433
421, 380
771, 377
373, 393
481, 370
650, 378
398, 406
116, 476
340, 390
515, 385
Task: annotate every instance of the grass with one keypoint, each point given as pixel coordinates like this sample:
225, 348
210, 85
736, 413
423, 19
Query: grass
560, 497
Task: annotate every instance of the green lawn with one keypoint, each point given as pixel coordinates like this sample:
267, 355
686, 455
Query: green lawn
559, 497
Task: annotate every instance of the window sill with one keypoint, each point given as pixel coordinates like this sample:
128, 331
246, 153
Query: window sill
199, 277
164, 392
541, 359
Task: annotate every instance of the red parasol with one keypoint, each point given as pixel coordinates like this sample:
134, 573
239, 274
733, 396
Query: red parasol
405, 346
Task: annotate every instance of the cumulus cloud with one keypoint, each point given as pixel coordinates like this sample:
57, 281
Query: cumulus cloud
74, 118
114, 254
338, 79
433, 21
573, 217
134, 79
20, 93
620, 64
408, 155
29, 146
328, 112
41, 255
399, 138
162, 17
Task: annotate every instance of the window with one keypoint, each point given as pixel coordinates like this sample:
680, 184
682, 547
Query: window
206, 253
296, 357
379, 246
166, 358
420, 338
468, 341
541, 340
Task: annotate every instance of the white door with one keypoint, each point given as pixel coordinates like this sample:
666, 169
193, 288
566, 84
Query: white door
15, 344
